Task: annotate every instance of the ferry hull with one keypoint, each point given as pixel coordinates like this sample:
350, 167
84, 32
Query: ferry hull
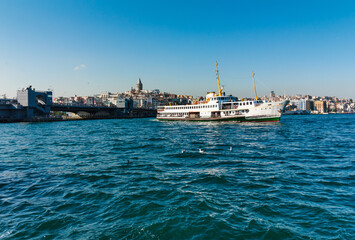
233, 119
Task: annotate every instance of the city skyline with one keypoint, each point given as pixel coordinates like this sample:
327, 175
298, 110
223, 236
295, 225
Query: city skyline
84, 48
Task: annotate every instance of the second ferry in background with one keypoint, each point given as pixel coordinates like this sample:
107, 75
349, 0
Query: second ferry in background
219, 107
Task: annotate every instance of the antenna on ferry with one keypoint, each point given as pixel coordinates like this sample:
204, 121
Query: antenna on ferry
219, 86
256, 97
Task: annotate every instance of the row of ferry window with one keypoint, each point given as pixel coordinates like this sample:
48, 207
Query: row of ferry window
244, 103
247, 103
221, 98
193, 107
236, 112
185, 114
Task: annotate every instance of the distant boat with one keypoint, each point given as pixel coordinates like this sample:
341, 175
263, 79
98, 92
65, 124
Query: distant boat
219, 107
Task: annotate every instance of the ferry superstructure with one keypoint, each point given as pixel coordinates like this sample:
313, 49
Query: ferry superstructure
219, 107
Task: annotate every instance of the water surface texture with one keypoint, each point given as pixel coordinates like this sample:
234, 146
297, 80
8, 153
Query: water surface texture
130, 179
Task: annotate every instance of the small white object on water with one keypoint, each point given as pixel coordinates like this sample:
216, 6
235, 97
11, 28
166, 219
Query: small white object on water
230, 149
201, 151
183, 151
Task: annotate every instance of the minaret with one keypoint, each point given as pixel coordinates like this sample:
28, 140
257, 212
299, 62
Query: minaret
139, 85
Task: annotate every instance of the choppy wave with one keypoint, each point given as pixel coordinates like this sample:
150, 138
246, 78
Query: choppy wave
144, 179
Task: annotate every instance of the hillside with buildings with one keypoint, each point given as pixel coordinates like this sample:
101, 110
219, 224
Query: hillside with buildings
151, 99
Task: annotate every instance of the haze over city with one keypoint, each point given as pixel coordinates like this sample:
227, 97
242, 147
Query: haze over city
88, 47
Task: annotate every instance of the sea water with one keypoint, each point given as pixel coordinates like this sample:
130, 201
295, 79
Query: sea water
145, 179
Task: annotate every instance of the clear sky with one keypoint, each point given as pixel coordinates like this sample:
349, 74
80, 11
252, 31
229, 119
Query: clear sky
86, 47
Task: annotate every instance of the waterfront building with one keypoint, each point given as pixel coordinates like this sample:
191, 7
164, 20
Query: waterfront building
320, 106
309, 105
299, 104
29, 104
90, 101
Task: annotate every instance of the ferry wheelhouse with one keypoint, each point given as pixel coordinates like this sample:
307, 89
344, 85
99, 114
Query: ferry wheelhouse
219, 107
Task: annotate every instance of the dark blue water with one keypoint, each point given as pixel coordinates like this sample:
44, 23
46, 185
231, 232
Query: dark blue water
128, 179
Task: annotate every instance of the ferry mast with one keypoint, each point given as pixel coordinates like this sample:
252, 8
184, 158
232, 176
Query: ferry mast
219, 86
256, 97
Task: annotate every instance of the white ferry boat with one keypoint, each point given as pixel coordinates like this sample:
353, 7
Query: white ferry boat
219, 107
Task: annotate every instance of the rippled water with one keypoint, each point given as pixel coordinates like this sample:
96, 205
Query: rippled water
128, 179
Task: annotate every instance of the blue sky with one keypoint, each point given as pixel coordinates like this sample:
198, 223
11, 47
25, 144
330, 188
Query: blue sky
87, 47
